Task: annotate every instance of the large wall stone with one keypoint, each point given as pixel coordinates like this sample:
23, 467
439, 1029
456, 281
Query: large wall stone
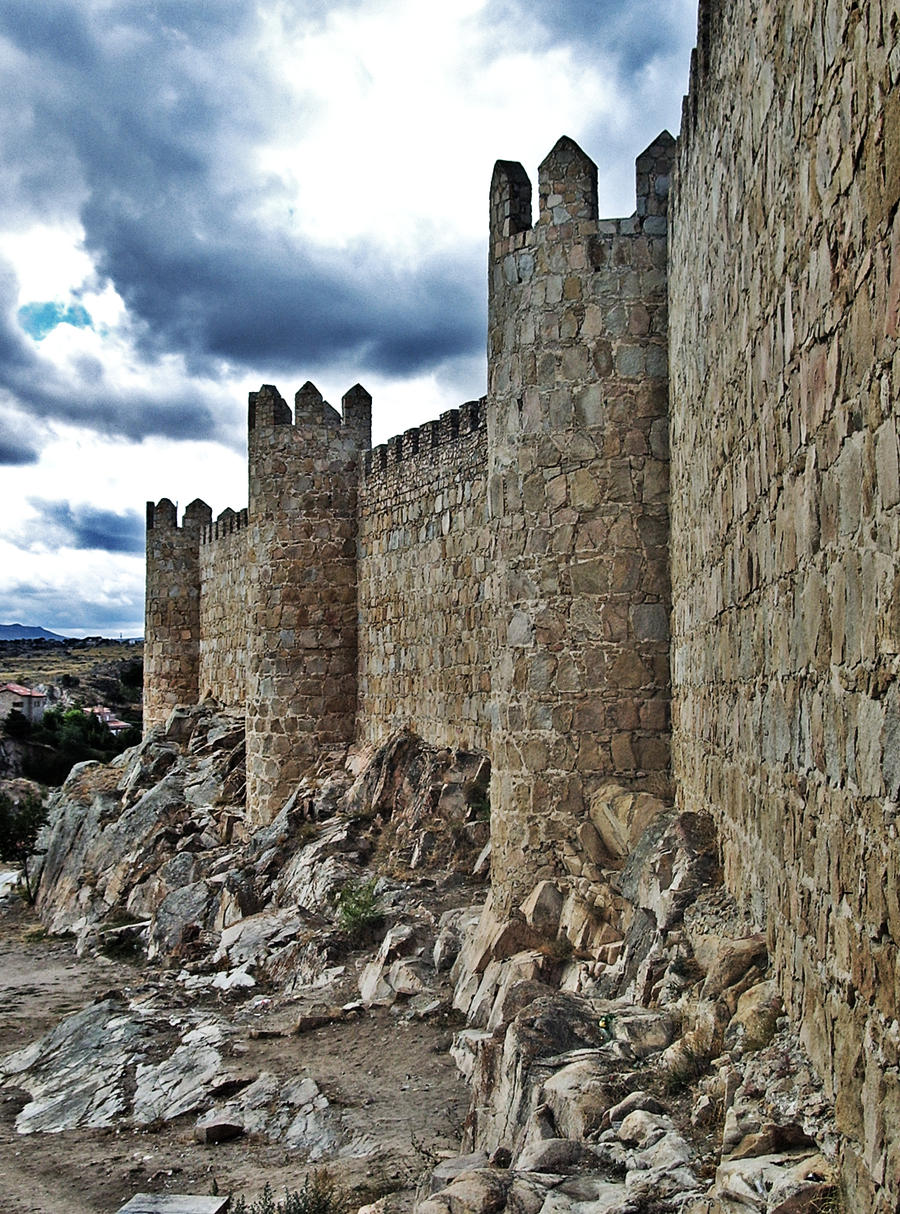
784, 288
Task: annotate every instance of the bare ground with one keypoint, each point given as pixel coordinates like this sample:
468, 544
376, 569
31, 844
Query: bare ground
393, 1080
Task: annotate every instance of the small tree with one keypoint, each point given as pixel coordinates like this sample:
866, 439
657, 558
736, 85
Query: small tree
20, 824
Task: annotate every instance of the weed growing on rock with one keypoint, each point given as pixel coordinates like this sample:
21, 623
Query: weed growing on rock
358, 908
831, 1202
686, 1070
317, 1195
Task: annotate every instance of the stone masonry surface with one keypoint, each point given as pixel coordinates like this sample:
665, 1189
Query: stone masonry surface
301, 669
223, 608
172, 611
578, 494
784, 283
505, 578
424, 557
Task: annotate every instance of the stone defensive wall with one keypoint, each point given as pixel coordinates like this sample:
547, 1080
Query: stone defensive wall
424, 559
507, 578
224, 599
785, 292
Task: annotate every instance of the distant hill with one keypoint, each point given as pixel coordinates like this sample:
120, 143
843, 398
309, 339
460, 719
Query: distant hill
24, 632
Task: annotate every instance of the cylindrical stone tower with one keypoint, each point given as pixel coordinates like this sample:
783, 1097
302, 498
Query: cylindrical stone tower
301, 686
578, 491
172, 608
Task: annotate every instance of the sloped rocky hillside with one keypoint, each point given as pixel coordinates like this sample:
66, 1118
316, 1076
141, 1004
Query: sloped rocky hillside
620, 1035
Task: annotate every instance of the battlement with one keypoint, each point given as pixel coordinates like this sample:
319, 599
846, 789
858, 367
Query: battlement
422, 441
567, 186
227, 523
163, 516
711, 16
567, 200
267, 410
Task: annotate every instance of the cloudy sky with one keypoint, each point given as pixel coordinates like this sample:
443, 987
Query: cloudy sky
200, 196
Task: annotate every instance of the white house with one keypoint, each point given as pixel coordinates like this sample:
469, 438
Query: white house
30, 704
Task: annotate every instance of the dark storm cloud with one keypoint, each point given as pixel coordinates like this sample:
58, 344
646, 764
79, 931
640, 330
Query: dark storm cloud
62, 525
631, 33
247, 297
143, 116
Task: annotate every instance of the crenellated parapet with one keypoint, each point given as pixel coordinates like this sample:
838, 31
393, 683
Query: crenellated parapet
712, 16
227, 523
447, 435
577, 492
268, 411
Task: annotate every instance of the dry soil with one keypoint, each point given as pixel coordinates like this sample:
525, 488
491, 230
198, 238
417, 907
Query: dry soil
392, 1078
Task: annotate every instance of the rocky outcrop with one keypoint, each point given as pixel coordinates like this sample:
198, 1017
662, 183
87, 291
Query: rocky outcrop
620, 1030
156, 845
626, 1044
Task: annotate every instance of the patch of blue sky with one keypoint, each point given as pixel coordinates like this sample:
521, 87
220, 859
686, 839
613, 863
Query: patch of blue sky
39, 319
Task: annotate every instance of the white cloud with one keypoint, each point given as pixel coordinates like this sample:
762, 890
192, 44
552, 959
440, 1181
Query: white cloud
385, 120
411, 105
48, 259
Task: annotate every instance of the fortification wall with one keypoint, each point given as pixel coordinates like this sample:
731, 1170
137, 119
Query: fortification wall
424, 555
785, 288
225, 581
578, 489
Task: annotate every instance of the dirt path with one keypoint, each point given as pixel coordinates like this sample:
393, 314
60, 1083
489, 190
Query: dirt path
392, 1079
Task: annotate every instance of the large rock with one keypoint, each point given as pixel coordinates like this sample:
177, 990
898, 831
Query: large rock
125, 839
589, 1041
92, 1069
82, 1071
675, 859
479, 1191
294, 1113
619, 817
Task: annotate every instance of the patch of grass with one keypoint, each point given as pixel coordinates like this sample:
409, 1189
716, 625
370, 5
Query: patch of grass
358, 908
831, 1202
117, 942
684, 1072
317, 1195
557, 950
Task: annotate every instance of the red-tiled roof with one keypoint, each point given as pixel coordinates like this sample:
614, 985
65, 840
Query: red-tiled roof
18, 690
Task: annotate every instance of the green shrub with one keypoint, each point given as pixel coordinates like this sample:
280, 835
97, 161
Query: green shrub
317, 1195
16, 724
358, 908
68, 736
